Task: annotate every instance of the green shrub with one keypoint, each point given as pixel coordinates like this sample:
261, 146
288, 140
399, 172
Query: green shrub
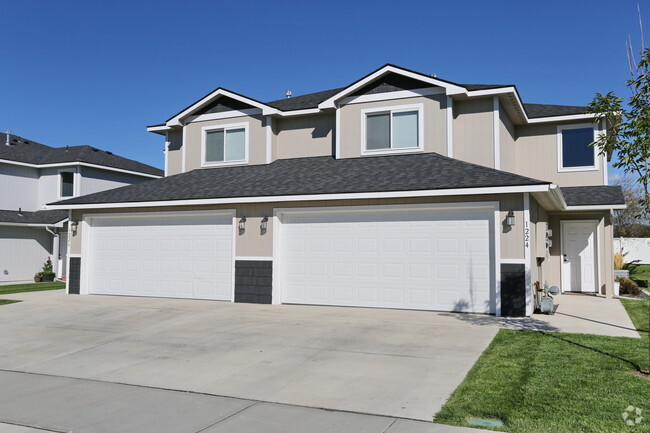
628, 287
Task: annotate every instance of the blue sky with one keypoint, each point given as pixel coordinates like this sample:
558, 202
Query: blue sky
80, 72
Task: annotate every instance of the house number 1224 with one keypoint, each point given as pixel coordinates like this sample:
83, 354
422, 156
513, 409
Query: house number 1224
526, 235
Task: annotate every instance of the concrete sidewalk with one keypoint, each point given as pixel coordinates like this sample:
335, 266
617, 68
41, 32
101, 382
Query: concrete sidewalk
31, 403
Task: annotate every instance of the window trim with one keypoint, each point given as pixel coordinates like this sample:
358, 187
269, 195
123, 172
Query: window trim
75, 181
560, 162
393, 109
224, 127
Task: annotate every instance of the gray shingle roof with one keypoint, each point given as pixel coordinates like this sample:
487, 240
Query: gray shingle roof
318, 175
302, 102
38, 217
311, 100
593, 195
545, 110
31, 152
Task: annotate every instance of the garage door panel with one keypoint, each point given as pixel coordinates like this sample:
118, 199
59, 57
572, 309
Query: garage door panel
168, 256
439, 260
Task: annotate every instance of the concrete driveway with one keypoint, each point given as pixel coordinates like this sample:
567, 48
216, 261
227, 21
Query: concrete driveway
384, 362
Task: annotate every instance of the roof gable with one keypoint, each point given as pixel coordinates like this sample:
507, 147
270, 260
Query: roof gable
426, 80
222, 104
210, 98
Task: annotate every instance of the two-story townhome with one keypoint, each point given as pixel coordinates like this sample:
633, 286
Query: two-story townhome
33, 174
400, 190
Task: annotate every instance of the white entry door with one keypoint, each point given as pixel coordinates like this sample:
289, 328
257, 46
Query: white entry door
579, 256
173, 255
425, 259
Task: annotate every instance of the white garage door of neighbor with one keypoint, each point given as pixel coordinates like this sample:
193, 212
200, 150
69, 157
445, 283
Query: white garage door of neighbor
425, 259
168, 256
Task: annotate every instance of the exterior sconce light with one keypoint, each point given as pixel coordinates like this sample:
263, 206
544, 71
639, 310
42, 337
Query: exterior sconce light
264, 225
510, 218
242, 225
73, 226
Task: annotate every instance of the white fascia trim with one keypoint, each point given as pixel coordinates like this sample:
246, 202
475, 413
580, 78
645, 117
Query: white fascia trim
596, 207
166, 152
337, 133
558, 197
313, 197
527, 255
562, 118
224, 115
497, 132
158, 128
450, 127
512, 90
269, 138
402, 94
298, 112
176, 120
57, 224
77, 164
450, 89
255, 258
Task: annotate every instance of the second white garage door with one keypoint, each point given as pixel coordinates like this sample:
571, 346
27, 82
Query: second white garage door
429, 259
178, 256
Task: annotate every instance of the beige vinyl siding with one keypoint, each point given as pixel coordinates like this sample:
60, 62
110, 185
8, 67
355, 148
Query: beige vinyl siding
96, 180
506, 141
175, 152
305, 136
537, 157
256, 139
434, 123
474, 131
23, 251
19, 187
254, 243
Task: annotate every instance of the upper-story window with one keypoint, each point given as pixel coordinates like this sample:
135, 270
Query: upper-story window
66, 184
575, 152
391, 129
225, 144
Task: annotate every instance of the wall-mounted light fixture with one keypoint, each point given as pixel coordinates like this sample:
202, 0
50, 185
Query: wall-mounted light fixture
264, 225
73, 226
242, 225
510, 218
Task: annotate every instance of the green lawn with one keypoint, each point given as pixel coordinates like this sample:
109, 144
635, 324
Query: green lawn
32, 287
552, 382
641, 272
7, 301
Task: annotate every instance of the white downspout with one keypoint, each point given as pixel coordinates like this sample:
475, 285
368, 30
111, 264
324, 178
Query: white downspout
55, 251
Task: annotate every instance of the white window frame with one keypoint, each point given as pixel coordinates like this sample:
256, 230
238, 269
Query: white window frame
59, 183
225, 127
560, 162
393, 109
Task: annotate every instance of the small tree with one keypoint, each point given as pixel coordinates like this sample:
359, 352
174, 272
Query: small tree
628, 133
627, 222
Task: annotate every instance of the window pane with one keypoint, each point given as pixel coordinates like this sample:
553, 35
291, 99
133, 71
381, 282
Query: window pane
576, 151
67, 184
235, 144
214, 146
378, 131
405, 129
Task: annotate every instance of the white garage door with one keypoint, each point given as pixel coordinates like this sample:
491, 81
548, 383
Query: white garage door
167, 256
424, 259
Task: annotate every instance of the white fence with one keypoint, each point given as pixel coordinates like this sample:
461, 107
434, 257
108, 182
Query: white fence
636, 249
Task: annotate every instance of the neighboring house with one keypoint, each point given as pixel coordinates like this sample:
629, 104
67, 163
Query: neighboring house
31, 175
401, 190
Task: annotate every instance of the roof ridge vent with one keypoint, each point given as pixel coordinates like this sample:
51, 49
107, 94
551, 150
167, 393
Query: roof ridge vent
288, 94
